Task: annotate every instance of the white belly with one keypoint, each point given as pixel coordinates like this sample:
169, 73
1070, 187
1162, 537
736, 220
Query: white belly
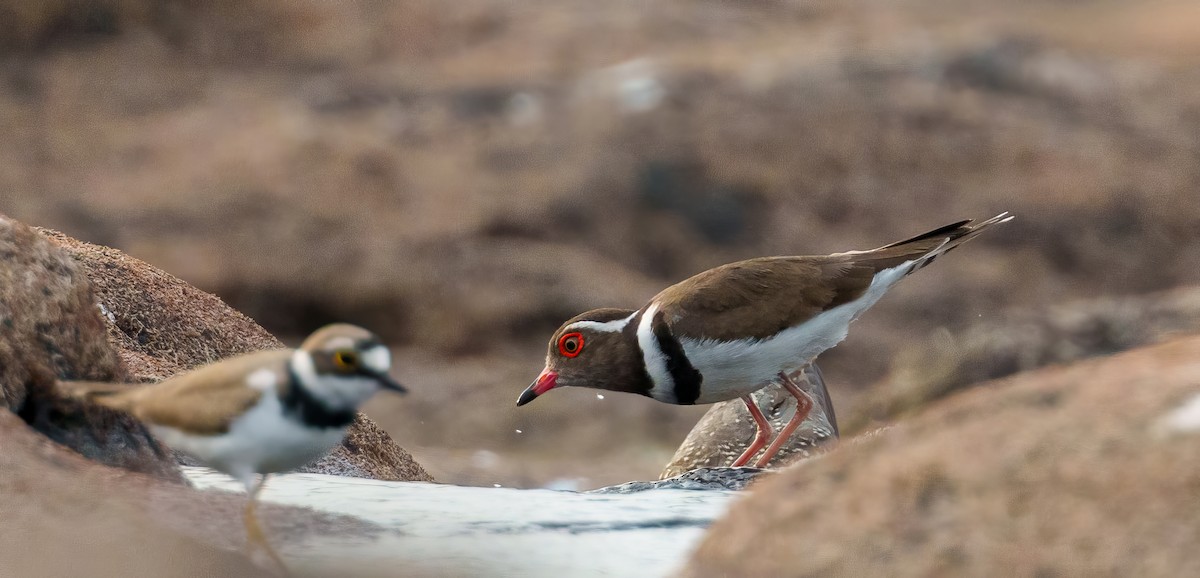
735, 368
261, 441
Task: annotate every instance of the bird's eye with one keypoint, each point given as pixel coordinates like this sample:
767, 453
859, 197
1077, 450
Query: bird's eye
345, 359
571, 344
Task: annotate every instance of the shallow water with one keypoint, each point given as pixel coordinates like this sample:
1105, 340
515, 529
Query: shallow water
442, 530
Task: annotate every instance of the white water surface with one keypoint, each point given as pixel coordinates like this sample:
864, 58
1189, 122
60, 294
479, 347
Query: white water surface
444, 530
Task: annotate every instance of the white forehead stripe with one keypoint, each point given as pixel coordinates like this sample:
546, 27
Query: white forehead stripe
340, 342
656, 360
377, 358
603, 326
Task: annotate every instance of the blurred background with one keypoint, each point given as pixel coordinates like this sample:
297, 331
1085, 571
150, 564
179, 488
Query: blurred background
463, 176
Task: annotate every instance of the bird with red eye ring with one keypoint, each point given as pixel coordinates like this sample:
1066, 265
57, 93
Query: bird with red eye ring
571, 344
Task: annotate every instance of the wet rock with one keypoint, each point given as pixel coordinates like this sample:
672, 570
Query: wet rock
697, 479
161, 326
51, 329
727, 429
1079, 470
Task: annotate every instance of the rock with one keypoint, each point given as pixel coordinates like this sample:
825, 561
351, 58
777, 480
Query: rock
697, 479
1081, 470
157, 323
727, 429
52, 330
161, 326
55, 522
62, 512
1021, 341
369, 452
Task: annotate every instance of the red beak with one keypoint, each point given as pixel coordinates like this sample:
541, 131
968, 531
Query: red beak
545, 382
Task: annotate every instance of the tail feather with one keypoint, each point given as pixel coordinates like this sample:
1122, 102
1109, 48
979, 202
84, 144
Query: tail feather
108, 394
947, 231
869, 273
961, 232
952, 235
924, 248
967, 233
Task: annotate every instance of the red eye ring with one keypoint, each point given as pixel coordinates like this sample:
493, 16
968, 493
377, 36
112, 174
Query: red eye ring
571, 344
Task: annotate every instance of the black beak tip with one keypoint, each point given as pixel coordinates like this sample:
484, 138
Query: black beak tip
390, 383
526, 396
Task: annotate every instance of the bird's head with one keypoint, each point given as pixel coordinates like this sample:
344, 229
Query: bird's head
597, 349
343, 366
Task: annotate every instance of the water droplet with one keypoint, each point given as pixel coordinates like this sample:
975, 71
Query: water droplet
519, 431
599, 396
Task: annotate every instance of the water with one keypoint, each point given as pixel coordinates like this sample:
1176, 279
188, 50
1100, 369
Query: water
443, 530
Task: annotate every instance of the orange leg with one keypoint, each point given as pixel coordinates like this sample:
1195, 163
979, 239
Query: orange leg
804, 404
254, 532
760, 438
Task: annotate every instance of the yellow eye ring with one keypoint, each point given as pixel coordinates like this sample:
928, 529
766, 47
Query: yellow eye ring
346, 359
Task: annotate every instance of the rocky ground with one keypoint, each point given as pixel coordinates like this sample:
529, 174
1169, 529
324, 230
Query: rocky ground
1077, 469
63, 513
1087, 469
464, 179
161, 326
1026, 339
84, 485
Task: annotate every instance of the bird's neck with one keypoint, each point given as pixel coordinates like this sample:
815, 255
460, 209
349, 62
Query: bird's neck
669, 373
310, 397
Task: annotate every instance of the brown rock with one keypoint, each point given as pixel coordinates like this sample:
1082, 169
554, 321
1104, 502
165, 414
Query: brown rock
62, 513
1025, 340
369, 452
52, 329
1084, 470
161, 326
48, 314
727, 429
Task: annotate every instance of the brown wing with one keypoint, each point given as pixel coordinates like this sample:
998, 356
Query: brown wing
204, 401
760, 297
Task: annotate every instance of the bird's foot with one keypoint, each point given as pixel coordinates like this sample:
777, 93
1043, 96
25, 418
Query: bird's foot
255, 537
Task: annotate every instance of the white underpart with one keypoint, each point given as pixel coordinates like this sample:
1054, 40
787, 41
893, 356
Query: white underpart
602, 326
735, 368
338, 392
262, 440
656, 361
377, 359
